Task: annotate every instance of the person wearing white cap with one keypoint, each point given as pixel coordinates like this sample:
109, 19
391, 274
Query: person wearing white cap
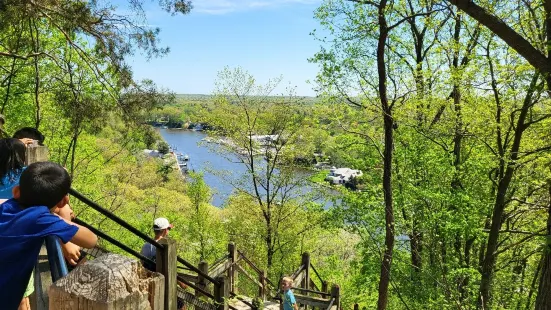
161, 227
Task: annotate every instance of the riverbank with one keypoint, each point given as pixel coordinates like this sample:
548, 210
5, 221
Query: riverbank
222, 171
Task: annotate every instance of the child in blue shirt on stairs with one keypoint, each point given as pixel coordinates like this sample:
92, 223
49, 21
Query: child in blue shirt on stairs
38, 209
289, 302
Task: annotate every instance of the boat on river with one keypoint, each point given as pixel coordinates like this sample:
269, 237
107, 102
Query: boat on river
182, 157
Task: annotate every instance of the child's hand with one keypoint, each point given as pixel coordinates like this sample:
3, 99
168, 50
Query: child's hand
27, 141
71, 252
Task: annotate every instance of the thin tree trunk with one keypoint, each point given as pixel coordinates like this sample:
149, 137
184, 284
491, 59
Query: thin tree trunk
533, 285
386, 263
11, 75
508, 169
36, 47
543, 300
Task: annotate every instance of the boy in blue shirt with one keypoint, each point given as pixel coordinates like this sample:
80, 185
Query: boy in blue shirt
38, 209
289, 302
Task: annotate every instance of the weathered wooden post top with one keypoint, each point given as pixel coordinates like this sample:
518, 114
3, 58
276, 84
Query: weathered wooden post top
109, 282
35, 153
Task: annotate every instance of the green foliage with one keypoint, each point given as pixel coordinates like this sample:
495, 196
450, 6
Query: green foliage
163, 147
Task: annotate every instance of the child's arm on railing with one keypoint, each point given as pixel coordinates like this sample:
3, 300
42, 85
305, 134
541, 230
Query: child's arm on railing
84, 237
71, 252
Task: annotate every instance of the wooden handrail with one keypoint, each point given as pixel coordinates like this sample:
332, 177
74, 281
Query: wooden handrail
232, 294
316, 272
311, 291
331, 303
296, 273
195, 269
113, 241
195, 287
315, 286
132, 229
113, 217
255, 281
217, 262
249, 262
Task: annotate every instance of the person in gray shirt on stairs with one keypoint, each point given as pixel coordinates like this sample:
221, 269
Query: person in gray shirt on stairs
161, 227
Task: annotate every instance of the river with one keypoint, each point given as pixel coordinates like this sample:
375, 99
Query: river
204, 158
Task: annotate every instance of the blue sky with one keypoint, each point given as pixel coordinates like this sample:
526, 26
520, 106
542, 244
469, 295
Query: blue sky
268, 38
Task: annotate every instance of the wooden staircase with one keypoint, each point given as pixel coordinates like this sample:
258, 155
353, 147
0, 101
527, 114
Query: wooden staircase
215, 287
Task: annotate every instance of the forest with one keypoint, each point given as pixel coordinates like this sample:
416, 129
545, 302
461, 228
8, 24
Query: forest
443, 104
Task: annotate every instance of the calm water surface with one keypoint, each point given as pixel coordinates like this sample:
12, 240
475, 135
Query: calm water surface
204, 158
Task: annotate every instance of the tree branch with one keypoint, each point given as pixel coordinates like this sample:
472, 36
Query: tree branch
506, 33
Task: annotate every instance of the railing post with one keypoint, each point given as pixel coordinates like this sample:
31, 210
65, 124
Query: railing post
306, 264
222, 293
262, 289
58, 267
232, 271
280, 293
166, 264
324, 287
201, 281
110, 281
35, 153
306, 279
336, 293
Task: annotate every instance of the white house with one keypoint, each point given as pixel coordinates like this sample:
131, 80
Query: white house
342, 175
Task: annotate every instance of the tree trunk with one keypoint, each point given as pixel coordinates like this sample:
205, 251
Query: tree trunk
386, 263
535, 57
543, 300
456, 184
506, 169
269, 244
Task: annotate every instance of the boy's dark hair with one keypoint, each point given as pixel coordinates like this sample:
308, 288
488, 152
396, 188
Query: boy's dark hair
12, 158
31, 133
43, 184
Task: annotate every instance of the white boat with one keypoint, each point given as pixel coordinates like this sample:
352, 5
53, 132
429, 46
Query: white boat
182, 157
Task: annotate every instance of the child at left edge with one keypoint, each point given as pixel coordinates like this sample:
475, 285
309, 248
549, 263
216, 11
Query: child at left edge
38, 209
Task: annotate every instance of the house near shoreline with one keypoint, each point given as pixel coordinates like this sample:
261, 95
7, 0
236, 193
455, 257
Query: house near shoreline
342, 175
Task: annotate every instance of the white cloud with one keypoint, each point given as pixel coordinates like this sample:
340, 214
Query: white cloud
230, 6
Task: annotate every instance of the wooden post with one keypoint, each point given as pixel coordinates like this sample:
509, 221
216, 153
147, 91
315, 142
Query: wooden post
201, 281
324, 287
262, 290
110, 281
232, 271
36, 153
166, 265
306, 264
33, 154
306, 279
336, 293
356, 307
280, 294
222, 293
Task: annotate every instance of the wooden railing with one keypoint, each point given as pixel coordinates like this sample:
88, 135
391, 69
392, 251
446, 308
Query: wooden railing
230, 267
167, 264
306, 291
